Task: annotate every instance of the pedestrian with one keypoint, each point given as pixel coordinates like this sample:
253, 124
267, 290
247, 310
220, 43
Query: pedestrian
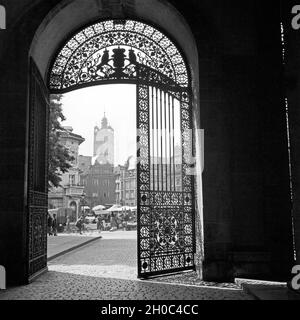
54, 225
99, 224
49, 222
113, 222
79, 224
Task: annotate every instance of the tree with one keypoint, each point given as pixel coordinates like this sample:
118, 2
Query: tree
59, 156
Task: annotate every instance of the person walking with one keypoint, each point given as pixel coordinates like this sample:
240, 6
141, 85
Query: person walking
79, 224
113, 222
99, 224
54, 225
49, 223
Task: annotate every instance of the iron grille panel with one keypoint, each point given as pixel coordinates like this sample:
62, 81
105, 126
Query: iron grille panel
166, 227
37, 175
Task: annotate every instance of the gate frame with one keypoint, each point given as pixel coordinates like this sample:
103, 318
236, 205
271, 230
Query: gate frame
164, 82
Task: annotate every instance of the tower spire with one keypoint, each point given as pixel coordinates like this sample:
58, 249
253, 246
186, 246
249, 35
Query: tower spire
104, 122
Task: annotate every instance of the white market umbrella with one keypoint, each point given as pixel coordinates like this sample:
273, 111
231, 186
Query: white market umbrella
127, 208
98, 208
115, 208
101, 212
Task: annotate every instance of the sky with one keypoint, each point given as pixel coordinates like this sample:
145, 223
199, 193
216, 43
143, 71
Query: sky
84, 108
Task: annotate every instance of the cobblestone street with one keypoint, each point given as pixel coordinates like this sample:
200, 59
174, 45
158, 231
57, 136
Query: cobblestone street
113, 256
106, 270
65, 242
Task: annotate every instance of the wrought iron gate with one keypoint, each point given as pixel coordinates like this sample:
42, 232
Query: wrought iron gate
166, 227
129, 51
37, 197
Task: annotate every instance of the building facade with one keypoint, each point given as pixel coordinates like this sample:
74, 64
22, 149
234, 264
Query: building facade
119, 178
99, 185
70, 191
97, 172
125, 177
84, 163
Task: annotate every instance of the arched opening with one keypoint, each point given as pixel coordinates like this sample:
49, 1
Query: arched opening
131, 51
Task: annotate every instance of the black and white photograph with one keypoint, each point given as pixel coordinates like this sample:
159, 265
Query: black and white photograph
149, 151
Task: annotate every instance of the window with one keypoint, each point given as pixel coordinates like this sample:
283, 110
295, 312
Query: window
72, 179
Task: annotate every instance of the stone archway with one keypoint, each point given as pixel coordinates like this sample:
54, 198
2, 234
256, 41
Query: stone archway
39, 56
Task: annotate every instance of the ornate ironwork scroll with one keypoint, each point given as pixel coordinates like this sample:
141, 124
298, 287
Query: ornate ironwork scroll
37, 175
110, 51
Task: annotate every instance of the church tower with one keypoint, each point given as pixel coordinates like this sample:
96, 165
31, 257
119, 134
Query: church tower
104, 143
